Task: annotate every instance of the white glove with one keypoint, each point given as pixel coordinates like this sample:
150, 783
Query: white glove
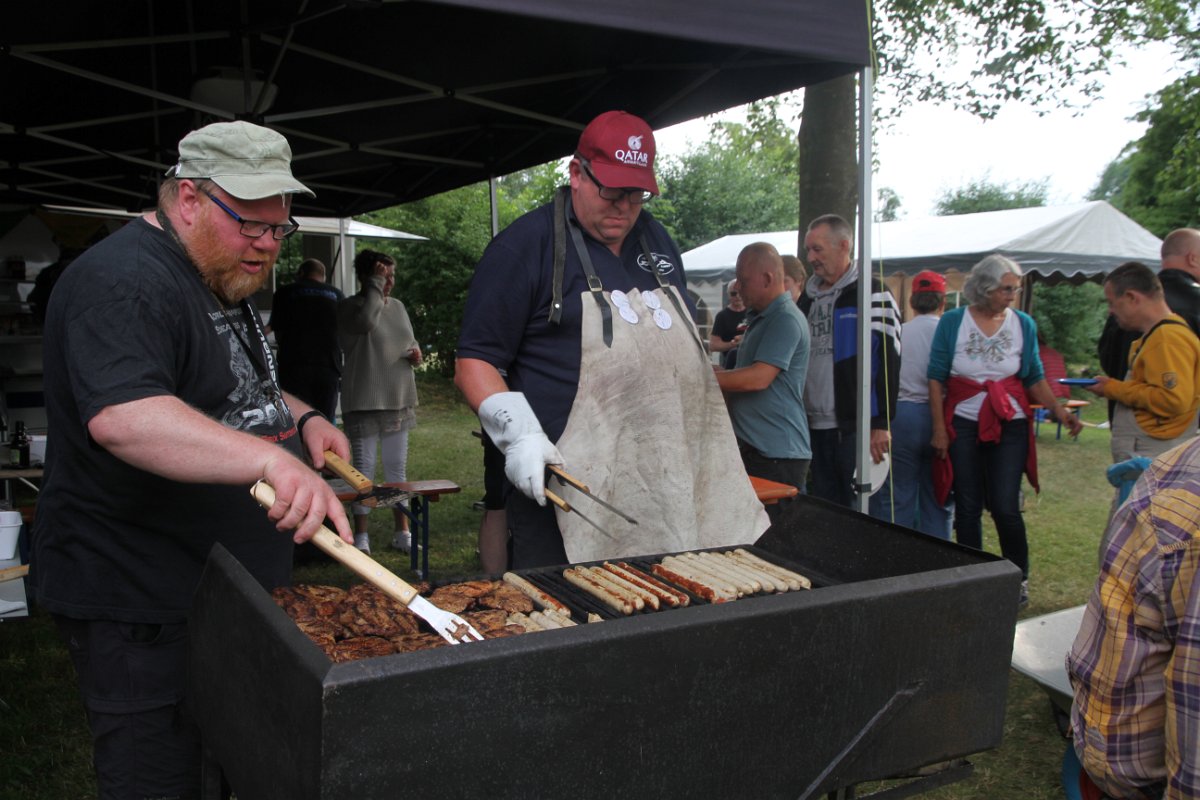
513, 427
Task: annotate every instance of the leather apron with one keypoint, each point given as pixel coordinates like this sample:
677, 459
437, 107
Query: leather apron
649, 432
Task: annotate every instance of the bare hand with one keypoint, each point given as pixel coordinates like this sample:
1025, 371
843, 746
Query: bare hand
881, 442
1097, 388
1072, 422
414, 356
303, 500
940, 443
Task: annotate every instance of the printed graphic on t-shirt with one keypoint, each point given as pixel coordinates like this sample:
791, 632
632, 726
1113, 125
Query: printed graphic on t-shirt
820, 326
989, 350
662, 263
254, 402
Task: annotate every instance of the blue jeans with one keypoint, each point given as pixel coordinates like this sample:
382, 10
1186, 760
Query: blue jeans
991, 473
832, 466
907, 498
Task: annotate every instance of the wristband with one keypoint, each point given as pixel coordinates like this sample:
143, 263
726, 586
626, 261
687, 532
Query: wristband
305, 417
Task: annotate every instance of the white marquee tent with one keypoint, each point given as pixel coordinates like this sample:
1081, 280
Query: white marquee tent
1075, 243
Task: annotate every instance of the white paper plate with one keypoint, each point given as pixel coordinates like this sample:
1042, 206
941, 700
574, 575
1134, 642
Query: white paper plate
878, 473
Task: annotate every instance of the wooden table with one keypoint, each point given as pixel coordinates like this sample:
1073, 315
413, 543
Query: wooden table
417, 512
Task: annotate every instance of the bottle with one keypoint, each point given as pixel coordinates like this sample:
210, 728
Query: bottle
19, 447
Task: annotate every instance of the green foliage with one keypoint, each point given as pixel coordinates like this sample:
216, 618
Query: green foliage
1156, 181
1025, 50
1070, 319
432, 277
737, 181
887, 205
983, 195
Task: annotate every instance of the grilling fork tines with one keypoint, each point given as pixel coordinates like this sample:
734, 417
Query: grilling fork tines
451, 627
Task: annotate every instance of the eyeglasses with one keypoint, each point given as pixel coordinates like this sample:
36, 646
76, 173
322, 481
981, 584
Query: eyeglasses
734, 294
254, 228
612, 194
1008, 289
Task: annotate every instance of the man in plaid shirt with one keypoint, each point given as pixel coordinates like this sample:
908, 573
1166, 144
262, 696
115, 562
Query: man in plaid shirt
1135, 664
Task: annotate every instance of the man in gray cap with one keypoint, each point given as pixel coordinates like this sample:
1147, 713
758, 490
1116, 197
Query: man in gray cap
164, 408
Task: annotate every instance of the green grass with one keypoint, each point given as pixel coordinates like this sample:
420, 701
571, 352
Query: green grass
44, 745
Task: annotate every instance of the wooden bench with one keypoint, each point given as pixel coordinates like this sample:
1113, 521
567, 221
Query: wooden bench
417, 512
1073, 406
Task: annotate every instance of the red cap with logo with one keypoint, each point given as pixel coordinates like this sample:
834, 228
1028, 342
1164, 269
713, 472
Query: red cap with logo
928, 281
619, 148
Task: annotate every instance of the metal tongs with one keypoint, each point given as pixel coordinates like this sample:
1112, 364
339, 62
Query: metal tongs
570, 480
451, 627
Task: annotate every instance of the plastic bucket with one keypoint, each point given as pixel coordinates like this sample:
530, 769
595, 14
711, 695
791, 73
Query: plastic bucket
8, 539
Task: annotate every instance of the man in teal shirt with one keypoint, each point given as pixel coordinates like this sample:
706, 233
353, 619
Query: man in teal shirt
765, 391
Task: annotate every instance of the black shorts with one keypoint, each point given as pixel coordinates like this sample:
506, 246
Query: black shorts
495, 484
133, 678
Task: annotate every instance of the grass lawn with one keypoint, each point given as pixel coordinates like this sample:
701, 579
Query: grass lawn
44, 746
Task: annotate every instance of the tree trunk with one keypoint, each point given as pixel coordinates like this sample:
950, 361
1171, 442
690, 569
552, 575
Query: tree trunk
828, 140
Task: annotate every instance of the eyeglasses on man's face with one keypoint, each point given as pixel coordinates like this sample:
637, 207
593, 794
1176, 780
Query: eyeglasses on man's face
255, 229
615, 195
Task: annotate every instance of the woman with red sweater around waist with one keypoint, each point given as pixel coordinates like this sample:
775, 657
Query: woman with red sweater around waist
984, 371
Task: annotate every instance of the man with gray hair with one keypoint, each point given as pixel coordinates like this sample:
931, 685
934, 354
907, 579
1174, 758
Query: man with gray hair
162, 394
830, 302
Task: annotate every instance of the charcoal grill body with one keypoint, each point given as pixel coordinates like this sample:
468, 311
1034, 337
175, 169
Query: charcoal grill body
897, 659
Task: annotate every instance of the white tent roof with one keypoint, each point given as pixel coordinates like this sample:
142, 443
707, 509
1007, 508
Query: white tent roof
1076, 240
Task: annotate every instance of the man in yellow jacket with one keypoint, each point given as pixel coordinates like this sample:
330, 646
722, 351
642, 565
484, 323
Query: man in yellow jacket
1157, 402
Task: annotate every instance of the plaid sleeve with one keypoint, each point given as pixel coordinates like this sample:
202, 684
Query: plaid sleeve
1135, 663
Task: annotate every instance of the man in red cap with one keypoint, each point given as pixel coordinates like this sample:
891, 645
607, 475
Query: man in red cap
908, 498
579, 349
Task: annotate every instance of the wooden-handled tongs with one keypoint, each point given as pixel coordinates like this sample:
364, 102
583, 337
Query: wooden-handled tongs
570, 480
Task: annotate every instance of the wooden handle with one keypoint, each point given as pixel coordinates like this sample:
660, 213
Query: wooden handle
571, 479
357, 561
558, 501
12, 573
348, 473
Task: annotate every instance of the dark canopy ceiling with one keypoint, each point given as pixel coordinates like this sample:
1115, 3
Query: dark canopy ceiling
383, 102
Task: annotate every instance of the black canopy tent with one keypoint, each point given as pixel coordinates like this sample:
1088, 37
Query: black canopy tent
383, 102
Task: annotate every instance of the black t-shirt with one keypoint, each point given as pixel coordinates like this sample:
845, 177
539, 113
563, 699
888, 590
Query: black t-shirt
304, 320
132, 320
725, 327
506, 322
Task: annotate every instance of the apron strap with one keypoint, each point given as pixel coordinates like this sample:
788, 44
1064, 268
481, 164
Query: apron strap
665, 285
560, 253
594, 286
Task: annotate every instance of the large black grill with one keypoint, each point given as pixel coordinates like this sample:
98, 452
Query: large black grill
896, 659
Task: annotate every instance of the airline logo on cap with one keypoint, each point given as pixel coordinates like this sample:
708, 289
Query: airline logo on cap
633, 157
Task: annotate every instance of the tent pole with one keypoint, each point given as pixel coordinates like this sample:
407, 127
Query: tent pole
492, 200
863, 438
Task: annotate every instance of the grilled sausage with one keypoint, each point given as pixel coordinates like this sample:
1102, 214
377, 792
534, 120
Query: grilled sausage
645, 588
717, 566
770, 583
634, 592
794, 579
541, 599
672, 596
695, 587
694, 570
732, 568
587, 583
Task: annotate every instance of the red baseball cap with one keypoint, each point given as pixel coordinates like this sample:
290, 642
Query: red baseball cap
928, 281
619, 148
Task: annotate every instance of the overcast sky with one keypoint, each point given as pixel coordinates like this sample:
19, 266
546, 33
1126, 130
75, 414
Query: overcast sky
931, 149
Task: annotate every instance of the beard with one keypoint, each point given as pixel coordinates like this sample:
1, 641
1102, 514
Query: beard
222, 272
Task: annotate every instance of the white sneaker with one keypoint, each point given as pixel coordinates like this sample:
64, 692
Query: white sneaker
363, 541
402, 541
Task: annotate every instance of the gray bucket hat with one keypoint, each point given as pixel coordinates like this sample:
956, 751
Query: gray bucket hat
248, 161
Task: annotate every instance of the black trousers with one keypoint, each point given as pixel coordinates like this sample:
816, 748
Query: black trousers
791, 471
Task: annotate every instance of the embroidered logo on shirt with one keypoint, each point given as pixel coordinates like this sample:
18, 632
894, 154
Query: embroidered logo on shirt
1170, 380
662, 264
989, 349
